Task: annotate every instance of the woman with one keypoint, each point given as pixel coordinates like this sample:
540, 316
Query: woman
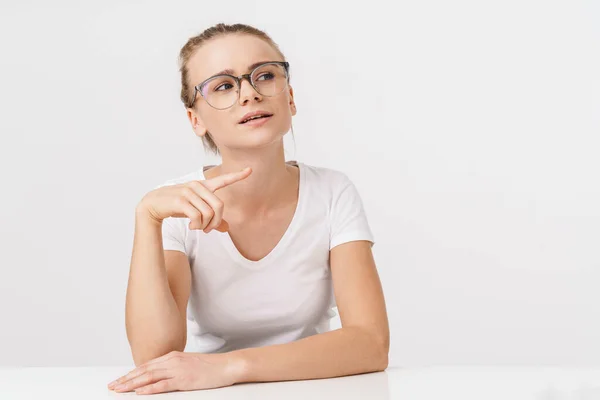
236, 263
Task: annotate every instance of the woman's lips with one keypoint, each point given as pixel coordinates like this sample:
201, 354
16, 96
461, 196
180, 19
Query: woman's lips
258, 121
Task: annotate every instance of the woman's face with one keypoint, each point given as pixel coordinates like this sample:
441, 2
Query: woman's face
238, 52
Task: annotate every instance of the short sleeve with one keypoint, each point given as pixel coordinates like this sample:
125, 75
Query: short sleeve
348, 218
173, 234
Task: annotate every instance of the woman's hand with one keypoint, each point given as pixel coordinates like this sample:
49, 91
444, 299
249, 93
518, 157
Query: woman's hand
195, 200
181, 371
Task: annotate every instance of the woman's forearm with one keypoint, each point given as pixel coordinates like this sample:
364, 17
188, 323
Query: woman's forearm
153, 321
345, 351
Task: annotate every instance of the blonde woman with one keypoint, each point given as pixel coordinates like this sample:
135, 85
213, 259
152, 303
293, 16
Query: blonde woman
236, 267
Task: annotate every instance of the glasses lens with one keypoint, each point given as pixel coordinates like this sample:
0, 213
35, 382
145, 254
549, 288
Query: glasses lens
270, 79
220, 91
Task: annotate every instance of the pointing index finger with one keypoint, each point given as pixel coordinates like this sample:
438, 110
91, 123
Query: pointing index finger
221, 181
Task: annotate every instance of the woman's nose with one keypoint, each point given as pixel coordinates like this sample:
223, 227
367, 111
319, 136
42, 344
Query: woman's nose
247, 91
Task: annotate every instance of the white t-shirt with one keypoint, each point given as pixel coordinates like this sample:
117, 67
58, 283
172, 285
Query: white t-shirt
287, 295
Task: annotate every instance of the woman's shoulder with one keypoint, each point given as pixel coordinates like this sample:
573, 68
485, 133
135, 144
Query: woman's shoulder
327, 176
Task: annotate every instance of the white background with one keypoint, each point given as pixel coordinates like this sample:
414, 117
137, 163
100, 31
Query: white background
469, 127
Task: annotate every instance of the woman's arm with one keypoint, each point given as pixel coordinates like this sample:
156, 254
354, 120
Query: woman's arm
157, 293
360, 346
345, 351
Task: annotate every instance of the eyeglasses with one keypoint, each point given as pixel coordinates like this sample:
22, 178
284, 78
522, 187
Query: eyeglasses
223, 91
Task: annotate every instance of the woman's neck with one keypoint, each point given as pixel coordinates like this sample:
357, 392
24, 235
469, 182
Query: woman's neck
271, 184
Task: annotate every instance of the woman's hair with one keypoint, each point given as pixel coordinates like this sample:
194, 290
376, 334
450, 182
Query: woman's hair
195, 43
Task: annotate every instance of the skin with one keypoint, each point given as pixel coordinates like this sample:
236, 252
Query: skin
240, 146
258, 208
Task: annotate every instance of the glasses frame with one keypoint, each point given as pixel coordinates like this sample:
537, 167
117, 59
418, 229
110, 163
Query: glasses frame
198, 88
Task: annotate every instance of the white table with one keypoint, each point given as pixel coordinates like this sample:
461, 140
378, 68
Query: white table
427, 383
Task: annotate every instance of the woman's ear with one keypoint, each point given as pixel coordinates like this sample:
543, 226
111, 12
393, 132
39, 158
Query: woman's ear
197, 124
292, 103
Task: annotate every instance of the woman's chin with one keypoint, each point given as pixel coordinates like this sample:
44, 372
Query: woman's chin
258, 138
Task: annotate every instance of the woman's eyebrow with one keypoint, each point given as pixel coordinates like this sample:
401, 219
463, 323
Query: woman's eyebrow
229, 71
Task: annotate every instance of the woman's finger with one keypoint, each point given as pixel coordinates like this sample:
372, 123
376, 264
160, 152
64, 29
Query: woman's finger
147, 378
192, 213
166, 385
143, 368
215, 203
129, 376
221, 181
197, 202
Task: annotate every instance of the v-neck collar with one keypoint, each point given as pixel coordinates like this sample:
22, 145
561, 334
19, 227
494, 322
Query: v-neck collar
266, 260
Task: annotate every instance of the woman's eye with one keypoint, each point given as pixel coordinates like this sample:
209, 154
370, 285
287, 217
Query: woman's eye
268, 75
224, 84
